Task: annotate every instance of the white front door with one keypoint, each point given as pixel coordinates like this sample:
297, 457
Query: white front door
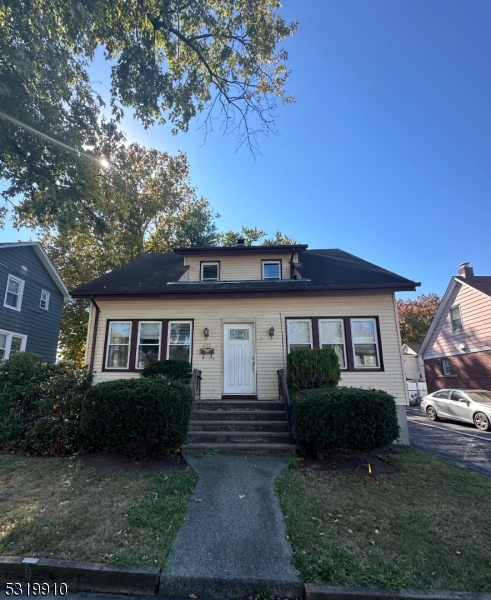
239, 363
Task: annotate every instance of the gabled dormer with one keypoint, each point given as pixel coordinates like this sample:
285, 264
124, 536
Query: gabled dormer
241, 263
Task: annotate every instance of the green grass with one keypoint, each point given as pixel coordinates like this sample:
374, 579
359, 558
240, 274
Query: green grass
58, 508
426, 527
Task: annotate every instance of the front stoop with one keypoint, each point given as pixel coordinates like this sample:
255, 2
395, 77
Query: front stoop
238, 427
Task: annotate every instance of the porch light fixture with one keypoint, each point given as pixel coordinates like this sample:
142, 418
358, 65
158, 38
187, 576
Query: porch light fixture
206, 331
271, 332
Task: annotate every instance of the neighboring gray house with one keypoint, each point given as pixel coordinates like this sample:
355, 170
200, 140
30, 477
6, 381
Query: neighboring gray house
32, 295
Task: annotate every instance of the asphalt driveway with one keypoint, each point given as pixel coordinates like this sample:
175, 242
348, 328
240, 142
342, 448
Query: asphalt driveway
460, 444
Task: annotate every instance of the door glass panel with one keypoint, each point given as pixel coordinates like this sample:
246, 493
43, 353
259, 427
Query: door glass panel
239, 334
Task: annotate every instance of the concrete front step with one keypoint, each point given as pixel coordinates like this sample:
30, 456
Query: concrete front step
238, 415
240, 448
237, 437
229, 405
223, 426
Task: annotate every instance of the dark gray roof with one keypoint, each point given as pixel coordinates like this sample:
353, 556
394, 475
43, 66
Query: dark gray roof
320, 270
479, 282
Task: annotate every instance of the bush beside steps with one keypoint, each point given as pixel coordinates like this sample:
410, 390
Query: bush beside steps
137, 417
343, 417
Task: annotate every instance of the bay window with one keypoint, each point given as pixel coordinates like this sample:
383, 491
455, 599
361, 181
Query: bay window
355, 340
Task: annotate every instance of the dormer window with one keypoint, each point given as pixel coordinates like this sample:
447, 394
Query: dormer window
210, 271
271, 269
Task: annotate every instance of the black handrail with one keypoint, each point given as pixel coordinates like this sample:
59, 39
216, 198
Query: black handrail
285, 396
196, 383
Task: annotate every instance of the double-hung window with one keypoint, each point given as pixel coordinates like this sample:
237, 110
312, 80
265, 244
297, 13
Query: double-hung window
210, 271
271, 269
118, 345
446, 368
44, 300
13, 293
11, 342
299, 334
149, 333
179, 340
456, 318
365, 344
331, 335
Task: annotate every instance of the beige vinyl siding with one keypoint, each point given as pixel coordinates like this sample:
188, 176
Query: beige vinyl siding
475, 311
238, 267
270, 353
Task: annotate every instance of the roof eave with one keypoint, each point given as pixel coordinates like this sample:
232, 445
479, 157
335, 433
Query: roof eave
241, 290
242, 249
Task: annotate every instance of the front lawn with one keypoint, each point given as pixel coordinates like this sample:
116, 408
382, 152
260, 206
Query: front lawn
62, 508
427, 526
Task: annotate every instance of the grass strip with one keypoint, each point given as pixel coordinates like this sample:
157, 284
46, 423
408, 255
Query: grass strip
59, 508
426, 527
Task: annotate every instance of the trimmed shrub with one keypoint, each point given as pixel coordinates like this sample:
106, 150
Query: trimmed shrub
175, 370
20, 380
137, 417
345, 417
40, 404
310, 369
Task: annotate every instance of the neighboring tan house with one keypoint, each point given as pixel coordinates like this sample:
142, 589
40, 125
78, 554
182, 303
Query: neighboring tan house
415, 371
31, 301
235, 313
457, 348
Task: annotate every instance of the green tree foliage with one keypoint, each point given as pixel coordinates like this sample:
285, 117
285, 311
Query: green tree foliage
147, 204
415, 316
251, 236
173, 60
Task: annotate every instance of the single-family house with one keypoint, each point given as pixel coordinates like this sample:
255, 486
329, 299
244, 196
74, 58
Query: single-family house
457, 348
415, 371
32, 295
236, 312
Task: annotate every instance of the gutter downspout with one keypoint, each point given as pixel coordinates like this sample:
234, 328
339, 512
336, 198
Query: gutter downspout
94, 333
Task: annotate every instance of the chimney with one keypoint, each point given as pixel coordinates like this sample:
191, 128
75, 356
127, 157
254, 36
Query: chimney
240, 241
466, 271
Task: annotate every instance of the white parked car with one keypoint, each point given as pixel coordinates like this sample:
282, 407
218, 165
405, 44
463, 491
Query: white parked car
469, 406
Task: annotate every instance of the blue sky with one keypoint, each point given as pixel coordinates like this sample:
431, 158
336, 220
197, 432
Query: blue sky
386, 152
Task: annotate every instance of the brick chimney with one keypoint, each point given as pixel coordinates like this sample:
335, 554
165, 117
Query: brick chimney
466, 271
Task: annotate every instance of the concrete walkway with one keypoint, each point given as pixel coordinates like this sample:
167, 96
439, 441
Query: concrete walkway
233, 540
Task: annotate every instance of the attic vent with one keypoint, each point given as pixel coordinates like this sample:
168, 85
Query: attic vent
240, 242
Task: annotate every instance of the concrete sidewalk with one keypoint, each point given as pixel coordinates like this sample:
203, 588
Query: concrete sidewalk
233, 540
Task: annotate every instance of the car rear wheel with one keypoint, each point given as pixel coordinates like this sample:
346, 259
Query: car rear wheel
431, 412
481, 421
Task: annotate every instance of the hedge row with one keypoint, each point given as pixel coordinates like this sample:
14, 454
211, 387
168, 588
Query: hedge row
40, 404
136, 416
343, 417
